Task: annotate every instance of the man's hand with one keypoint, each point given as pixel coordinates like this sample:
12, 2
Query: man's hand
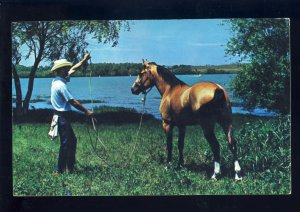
80, 107
89, 114
86, 56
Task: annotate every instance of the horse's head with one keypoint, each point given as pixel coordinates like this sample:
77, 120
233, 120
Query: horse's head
144, 80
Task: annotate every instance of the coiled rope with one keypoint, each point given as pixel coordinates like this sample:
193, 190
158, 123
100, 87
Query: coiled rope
97, 139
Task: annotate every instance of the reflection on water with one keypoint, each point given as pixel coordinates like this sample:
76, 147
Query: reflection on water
115, 92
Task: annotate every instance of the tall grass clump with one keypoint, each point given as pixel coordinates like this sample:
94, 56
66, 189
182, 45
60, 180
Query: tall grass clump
265, 151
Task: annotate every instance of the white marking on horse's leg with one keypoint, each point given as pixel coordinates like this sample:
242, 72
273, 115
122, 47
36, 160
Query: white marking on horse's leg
214, 177
237, 177
217, 168
217, 171
237, 167
237, 170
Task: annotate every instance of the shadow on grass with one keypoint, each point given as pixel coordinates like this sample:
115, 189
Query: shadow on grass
207, 170
116, 117
201, 168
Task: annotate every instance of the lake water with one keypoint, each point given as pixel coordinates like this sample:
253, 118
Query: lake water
115, 92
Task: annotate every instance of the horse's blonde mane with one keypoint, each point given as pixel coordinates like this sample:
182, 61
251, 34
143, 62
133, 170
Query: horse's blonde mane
167, 75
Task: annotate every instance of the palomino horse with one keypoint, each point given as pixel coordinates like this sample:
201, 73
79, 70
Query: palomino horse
204, 103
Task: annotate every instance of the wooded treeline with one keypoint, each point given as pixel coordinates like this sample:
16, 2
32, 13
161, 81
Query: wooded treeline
127, 69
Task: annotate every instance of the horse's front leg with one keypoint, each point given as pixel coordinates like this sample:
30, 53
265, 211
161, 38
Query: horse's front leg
168, 128
181, 145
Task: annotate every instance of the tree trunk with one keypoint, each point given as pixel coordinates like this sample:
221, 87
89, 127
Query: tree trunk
30, 86
32, 76
18, 91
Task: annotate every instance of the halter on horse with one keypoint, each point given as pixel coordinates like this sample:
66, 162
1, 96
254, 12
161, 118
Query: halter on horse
204, 103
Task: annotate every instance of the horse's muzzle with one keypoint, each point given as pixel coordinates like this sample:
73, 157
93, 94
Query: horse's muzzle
135, 90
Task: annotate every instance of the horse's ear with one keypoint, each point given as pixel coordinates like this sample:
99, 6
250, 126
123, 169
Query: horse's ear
145, 63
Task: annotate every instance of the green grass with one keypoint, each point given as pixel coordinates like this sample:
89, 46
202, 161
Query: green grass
264, 150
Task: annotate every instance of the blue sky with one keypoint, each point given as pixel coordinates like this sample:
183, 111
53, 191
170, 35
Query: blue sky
166, 42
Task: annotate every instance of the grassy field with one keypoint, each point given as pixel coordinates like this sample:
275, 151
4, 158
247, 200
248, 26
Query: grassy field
264, 151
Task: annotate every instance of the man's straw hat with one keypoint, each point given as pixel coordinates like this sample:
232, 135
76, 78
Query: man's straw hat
60, 63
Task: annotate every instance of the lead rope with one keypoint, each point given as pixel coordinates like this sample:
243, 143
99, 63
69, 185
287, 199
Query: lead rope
94, 146
96, 130
140, 126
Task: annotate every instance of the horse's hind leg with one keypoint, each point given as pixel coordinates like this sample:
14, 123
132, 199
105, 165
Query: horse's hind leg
181, 145
232, 143
208, 130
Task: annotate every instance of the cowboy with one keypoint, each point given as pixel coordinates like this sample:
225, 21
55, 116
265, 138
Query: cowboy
61, 100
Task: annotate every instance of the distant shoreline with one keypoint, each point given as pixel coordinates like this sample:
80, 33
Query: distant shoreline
131, 69
118, 75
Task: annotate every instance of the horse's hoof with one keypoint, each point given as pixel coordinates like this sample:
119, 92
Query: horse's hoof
238, 177
168, 166
216, 176
179, 167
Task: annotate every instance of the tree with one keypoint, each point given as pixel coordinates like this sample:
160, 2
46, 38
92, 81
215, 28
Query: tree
49, 41
16, 58
263, 47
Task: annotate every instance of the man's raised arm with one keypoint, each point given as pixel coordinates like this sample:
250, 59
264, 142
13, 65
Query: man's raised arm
79, 64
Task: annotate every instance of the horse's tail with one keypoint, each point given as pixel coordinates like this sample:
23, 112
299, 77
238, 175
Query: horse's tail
221, 105
218, 103
219, 99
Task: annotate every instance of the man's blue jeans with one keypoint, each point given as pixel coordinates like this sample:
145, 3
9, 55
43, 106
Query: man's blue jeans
68, 143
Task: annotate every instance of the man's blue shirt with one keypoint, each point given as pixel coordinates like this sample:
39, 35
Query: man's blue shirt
60, 95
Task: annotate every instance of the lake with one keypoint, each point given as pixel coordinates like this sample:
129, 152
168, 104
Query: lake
115, 92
